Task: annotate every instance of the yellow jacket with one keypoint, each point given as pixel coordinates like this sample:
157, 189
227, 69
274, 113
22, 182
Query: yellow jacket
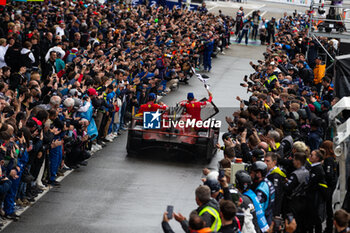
319, 72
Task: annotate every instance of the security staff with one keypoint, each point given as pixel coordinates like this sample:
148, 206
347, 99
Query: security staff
316, 192
294, 190
194, 107
263, 188
271, 78
250, 201
277, 177
208, 210
150, 106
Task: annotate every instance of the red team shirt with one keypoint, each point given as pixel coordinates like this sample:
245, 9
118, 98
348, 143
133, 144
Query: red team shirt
193, 107
151, 107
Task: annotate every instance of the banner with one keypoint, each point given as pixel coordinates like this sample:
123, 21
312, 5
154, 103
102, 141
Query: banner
166, 3
2, 2
294, 2
342, 76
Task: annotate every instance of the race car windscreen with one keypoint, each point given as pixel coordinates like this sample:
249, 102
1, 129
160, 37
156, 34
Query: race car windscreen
209, 110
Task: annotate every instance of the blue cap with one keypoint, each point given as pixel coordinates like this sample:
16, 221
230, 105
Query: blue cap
286, 82
190, 96
326, 103
306, 88
152, 96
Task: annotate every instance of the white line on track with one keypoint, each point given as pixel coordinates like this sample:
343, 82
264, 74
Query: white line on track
7, 222
250, 12
212, 8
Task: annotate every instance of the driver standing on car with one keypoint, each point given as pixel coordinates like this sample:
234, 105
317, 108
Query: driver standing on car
194, 107
150, 106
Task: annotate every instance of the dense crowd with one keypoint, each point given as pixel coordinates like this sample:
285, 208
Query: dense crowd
283, 137
73, 73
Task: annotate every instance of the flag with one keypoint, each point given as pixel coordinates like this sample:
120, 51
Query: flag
2, 2
203, 78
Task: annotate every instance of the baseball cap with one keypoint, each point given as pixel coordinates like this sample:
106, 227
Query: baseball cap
325, 103
286, 82
213, 185
312, 107
258, 154
74, 50
91, 91
253, 98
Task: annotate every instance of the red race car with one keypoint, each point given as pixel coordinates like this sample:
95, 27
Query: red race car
175, 130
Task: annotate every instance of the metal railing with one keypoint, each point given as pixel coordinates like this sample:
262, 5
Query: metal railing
321, 24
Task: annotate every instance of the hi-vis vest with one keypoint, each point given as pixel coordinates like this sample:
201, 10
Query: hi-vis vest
258, 210
270, 79
279, 172
213, 212
277, 146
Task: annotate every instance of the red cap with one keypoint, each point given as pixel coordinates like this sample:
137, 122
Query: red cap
61, 21
91, 91
312, 107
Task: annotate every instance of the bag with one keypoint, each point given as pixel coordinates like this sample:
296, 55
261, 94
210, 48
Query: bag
26, 176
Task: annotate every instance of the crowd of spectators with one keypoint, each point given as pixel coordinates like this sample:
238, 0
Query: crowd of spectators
73, 72
283, 137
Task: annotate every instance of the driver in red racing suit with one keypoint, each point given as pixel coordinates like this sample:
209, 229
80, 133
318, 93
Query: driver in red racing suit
150, 106
194, 107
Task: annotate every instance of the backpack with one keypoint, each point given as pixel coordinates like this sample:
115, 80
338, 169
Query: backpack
26, 61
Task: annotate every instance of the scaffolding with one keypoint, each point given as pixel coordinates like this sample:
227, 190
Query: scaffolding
327, 20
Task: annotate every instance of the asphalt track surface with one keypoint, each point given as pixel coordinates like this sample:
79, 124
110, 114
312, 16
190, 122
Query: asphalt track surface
116, 193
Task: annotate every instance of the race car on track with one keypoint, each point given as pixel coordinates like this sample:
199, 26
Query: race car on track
176, 132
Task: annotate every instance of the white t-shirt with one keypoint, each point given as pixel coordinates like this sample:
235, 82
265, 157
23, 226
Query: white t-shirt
3, 50
59, 31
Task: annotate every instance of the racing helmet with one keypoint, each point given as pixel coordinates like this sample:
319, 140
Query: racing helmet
260, 166
243, 180
152, 96
190, 96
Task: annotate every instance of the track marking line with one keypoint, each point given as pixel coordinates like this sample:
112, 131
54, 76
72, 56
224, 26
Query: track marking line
211, 8
250, 12
7, 222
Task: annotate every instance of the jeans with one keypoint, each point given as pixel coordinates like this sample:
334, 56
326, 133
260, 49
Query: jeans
255, 31
269, 35
244, 33
55, 160
9, 204
207, 61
